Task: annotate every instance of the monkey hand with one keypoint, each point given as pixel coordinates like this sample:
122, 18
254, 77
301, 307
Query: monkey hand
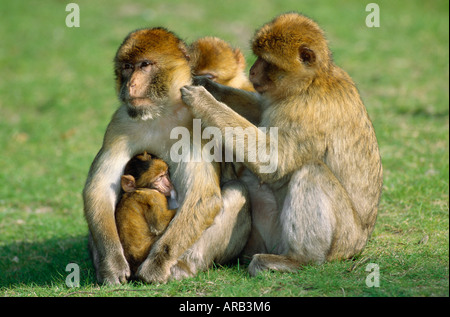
154, 270
198, 99
114, 270
194, 95
202, 81
211, 86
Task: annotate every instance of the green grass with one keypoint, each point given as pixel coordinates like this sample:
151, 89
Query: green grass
57, 96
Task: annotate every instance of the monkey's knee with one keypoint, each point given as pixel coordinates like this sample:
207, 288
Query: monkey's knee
235, 197
231, 229
236, 204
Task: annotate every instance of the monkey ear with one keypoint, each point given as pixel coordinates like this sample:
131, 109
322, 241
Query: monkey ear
146, 156
185, 53
128, 183
240, 59
307, 55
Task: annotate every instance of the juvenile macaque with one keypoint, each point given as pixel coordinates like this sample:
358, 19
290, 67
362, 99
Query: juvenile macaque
217, 60
143, 213
151, 65
321, 202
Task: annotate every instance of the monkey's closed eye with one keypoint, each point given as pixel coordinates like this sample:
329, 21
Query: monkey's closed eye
210, 76
127, 66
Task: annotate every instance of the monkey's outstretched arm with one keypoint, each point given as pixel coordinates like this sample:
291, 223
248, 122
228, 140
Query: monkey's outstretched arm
246, 103
263, 159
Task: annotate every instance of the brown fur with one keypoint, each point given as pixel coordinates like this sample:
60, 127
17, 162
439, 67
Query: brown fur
151, 66
216, 59
327, 185
148, 172
142, 214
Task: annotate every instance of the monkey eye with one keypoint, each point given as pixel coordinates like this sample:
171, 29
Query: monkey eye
127, 66
146, 63
210, 76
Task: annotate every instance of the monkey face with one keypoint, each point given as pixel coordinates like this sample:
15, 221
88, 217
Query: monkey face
147, 172
163, 184
292, 51
156, 177
259, 76
147, 64
215, 59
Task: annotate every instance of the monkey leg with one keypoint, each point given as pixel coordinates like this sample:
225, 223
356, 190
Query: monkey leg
224, 239
233, 223
265, 232
318, 223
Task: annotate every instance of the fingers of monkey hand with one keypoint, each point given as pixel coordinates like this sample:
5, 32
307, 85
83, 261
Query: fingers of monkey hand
201, 81
196, 96
150, 272
117, 272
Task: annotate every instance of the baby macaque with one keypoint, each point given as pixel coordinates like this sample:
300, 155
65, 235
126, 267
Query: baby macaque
143, 213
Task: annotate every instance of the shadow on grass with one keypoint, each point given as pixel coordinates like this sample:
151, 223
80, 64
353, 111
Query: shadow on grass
423, 112
44, 263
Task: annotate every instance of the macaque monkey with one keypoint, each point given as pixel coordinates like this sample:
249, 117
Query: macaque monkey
321, 202
151, 66
143, 213
217, 60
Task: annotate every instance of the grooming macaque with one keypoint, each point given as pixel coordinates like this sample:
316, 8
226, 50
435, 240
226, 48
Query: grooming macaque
217, 60
151, 65
143, 214
321, 202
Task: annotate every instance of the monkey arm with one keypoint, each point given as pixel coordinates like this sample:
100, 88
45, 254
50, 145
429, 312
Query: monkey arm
246, 103
156, 213
263, 159
100, 196
197, 211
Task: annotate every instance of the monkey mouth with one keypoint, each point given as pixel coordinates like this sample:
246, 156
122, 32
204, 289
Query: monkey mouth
139, 102
142, 108
260, 88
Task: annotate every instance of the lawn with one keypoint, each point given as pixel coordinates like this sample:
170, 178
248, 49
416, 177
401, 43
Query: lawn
57, 96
